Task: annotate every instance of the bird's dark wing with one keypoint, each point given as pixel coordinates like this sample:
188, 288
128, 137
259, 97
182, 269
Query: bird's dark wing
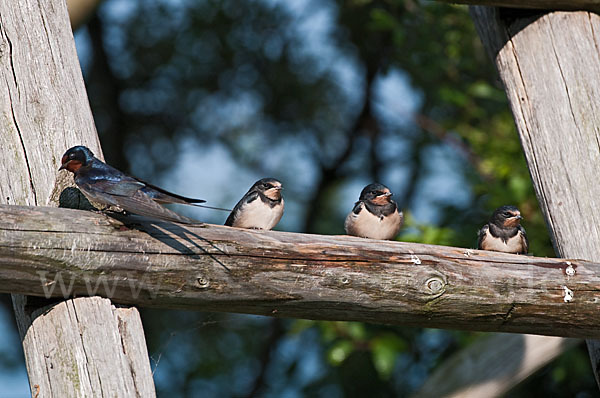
104, 178
126, 187
113, 181
163, 196
141, 204
481, 236
128, 196
524, 240
247, 198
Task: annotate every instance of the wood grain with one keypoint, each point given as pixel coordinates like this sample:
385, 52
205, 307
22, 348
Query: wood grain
547, 63
217, 268
84, 347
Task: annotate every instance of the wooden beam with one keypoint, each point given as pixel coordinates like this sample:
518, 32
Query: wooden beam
215, 268
492, 365
561, 5
545, 62
84, 347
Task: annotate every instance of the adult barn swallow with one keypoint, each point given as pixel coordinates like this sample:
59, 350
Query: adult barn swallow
106, 185
375, 215
260, 208
504, 233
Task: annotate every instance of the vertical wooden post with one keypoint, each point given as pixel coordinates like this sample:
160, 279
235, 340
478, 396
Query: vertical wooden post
83, 347
549, 63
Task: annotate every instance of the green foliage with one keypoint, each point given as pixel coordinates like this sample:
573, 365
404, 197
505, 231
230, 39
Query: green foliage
427, 233
385, 349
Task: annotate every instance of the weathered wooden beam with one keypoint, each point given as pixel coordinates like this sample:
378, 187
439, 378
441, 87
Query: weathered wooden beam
562, 5
84, 347
545, 62
491, 366
56, 252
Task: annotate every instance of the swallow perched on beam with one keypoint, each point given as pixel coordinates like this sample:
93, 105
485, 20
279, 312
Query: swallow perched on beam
504, 233
375, 215
106, 185
260, 208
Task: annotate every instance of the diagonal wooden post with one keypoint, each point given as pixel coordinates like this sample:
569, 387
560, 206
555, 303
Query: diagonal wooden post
492, 365
548, 62
83, 347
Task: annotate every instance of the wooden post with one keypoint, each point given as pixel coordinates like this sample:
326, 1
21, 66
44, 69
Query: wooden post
84, 347
492, 365
548, 63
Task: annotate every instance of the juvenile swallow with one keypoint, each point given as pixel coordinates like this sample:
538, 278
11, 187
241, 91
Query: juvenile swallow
260, 208
375, 215
106, 185
504, 233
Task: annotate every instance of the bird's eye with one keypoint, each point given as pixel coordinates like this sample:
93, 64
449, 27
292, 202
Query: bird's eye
267, 185
507, 214
71, 155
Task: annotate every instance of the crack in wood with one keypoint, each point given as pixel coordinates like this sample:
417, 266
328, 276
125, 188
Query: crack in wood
47, 35
13, 115
122, 327
72, 310
508, 314
564, 80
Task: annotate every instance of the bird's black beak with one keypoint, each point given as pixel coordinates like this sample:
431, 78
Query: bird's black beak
63, 167
519, 217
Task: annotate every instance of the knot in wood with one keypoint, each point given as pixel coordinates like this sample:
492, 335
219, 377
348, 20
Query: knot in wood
345, 280
202, 282
570, 271
435, 284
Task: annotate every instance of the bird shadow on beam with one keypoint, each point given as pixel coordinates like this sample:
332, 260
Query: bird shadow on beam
71, 197
161, 230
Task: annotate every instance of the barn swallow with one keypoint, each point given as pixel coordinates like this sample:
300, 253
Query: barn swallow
106, 185
260, 208
375, 215
504, 233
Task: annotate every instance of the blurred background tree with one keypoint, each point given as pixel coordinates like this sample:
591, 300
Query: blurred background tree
204, 97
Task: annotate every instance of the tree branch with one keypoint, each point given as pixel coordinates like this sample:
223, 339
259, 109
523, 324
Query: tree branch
275, 333
330, 172
106, 89
214, 268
